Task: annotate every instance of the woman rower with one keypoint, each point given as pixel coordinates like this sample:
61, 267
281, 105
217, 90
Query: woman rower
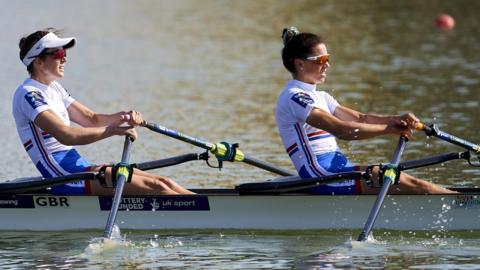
309, 120
43, 109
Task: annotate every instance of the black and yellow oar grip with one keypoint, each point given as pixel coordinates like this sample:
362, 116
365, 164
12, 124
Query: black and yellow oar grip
220, 150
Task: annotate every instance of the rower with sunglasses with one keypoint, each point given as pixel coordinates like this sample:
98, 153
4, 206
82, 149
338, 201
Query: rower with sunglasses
309, 121
43, 109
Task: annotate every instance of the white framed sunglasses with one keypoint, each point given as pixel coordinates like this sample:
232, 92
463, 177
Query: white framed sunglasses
319, 59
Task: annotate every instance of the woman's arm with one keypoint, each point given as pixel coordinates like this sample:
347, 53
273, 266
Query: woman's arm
348, 126
48, 121
85, 117
348, 114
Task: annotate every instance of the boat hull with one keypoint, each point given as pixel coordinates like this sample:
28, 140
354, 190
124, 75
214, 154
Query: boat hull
228, 210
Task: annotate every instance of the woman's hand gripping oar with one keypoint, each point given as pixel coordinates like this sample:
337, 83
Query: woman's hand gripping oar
223, 151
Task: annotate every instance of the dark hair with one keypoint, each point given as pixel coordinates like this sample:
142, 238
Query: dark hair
27, 42
297, 45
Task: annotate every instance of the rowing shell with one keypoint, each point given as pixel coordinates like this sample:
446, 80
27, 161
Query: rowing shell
226, 208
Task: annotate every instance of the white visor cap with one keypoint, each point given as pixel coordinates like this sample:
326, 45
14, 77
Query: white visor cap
48, 41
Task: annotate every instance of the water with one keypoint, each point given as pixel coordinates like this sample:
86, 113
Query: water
240, 250
212, 69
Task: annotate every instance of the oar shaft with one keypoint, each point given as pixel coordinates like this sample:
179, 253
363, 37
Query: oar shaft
21, 185
434, 131
402, 142
213, 148
179, 136
155, 164
295, 183
412, 164
266, 166
121, 178
383, 192
457, 141
127, 147
36, 183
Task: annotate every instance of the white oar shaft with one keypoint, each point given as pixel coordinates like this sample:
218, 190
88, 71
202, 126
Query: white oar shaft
121, 178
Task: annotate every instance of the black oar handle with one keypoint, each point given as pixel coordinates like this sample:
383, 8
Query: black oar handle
428, 129
387, 181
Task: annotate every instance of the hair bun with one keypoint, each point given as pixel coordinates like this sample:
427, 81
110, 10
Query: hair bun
289, 33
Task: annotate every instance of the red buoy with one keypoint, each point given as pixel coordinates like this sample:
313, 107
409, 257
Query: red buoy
445, 22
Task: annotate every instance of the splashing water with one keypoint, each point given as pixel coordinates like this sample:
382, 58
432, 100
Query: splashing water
100, 245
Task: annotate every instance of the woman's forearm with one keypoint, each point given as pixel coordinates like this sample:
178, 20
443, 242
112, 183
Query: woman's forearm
349, 129
100, 120
83, 135
376, 119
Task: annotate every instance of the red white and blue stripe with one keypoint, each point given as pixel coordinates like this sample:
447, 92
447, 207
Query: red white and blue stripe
292, 149
317, 135
312, 165
28, 145
46, 160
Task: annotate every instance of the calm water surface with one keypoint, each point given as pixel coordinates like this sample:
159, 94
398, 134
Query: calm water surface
212, 69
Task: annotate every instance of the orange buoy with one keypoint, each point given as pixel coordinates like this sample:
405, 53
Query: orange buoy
445, 22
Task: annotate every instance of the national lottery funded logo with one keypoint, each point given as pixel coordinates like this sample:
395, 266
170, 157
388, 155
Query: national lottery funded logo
160, 203
35, 99
302, 99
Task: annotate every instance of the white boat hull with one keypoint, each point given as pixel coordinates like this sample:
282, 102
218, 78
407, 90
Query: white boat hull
232, 211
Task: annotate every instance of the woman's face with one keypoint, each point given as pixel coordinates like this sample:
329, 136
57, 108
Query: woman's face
52, 65
311, 71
